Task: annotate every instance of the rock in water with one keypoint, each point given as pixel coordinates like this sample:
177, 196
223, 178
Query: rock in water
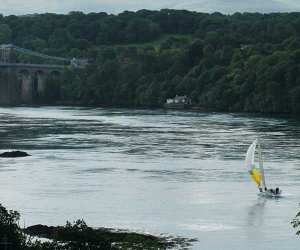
14, 154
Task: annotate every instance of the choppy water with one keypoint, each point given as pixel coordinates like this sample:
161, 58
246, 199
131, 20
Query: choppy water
178, 173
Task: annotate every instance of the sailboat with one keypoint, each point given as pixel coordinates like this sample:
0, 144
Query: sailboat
257, 173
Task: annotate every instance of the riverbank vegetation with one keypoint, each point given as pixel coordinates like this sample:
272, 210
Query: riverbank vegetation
242, 62
77, 236
296, 223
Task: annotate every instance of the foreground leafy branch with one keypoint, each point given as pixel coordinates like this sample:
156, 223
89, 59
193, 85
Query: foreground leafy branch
296, 223
10, 232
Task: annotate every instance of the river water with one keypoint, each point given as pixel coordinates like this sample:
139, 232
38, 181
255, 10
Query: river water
176, 173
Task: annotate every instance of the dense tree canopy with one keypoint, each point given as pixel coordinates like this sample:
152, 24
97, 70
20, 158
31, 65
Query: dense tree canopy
241, 62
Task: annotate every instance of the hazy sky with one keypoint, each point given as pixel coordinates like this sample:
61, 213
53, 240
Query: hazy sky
64, 6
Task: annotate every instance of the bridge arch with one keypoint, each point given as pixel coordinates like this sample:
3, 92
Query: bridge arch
55, 73
23, 72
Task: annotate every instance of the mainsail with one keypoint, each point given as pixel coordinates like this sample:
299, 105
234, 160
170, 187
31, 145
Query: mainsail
255, 172
261, 167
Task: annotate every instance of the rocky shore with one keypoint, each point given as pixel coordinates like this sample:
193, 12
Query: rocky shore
80, 236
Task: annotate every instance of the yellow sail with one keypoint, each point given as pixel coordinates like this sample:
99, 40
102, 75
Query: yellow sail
255, 173
256, 176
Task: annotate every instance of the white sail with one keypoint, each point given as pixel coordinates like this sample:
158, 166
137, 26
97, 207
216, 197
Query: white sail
250, 156
254, 172
261, 166
257, 173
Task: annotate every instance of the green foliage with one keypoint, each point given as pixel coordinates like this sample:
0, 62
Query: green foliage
296, 223
51, 92
10, 232
243, 62
5, 33
77, 236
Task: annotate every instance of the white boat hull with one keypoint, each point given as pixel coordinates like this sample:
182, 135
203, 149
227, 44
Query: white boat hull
268, 194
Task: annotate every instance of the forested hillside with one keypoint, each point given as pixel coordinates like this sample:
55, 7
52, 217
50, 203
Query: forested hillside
243, 62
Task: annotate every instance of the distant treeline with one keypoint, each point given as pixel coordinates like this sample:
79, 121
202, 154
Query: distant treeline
242, 62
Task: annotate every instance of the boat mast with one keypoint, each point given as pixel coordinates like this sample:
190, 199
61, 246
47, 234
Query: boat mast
261, 167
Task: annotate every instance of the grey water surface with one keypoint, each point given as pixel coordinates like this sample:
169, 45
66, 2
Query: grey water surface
176, 173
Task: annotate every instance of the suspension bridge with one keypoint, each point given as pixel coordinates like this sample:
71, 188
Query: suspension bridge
8, 58
23, 73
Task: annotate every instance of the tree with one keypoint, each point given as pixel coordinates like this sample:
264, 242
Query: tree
295, 101
240, 62
5, 33
9, 229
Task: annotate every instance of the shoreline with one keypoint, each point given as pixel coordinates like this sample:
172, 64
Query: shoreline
193, 109
78, 235
79, 232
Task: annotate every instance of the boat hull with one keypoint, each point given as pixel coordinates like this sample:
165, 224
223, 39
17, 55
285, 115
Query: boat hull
269, 195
